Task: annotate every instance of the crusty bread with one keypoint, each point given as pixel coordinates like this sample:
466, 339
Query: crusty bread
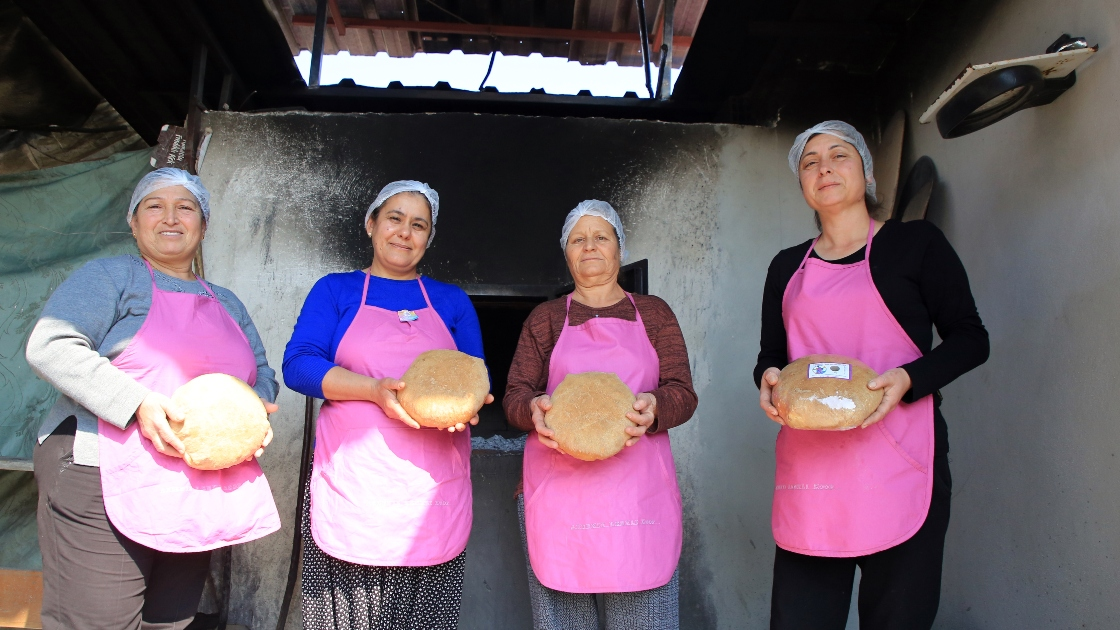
822, 403
588, 415
224, 421
444, 388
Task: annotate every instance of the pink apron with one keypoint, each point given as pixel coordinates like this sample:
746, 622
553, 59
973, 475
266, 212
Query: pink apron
850, 493
383, 493
159, 501
611, 526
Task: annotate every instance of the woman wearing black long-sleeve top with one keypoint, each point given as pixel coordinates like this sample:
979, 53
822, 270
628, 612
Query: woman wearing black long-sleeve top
922, 283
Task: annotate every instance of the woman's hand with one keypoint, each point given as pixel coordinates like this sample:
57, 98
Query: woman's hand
385, 395
645, 412
153, 414
765, 388
894, 383
540, 405
269, 408
473, 421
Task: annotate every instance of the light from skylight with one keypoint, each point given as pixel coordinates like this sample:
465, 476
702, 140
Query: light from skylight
465, 72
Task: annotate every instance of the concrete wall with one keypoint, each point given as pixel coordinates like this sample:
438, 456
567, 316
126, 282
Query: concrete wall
1031, 206
707, 205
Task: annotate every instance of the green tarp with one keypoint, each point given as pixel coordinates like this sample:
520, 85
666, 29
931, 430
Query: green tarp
51, 221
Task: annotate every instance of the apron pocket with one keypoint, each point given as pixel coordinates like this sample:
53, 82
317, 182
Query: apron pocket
898, 448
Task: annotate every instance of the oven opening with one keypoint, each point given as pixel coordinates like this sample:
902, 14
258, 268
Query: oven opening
500, 317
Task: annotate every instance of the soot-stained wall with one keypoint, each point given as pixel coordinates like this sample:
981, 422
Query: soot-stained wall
708, 205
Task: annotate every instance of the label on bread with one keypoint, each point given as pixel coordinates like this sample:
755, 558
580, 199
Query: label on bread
830, 370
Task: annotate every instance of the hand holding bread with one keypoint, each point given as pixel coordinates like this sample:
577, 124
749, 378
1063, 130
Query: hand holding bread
589, 415
894, 383
220, 421
444, 389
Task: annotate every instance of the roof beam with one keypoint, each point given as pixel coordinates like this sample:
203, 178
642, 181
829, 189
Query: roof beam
336, 14
489, 30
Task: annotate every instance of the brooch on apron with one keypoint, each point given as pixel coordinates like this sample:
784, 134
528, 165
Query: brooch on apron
407, 316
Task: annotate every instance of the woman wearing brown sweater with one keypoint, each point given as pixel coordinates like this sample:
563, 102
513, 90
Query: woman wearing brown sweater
610, 527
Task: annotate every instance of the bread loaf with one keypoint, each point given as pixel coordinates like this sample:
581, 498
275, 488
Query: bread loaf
588, 415
444, 388
224, 421
825, 392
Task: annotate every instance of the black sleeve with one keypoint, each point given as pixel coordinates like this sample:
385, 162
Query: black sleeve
772, 343
944, 288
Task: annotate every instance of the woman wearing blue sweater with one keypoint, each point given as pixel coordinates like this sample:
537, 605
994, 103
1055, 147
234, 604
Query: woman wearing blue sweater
390, 502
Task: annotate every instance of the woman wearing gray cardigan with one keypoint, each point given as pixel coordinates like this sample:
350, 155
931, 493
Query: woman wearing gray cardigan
125, 527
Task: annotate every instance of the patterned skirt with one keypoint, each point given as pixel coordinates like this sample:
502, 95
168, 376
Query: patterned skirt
340, 594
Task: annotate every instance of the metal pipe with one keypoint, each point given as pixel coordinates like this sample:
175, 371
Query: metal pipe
317, 43
227, 91
665, 71
195, 105
643, 33
297, 536
511, 31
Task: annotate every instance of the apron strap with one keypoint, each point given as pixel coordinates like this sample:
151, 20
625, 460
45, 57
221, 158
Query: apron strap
427, 301
152, 273
206, 286
568, 309
808, 252
866, 249
365, 289
870, 235
637, 313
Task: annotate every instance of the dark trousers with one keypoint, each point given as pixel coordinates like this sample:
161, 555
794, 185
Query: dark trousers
93, 576
899, 589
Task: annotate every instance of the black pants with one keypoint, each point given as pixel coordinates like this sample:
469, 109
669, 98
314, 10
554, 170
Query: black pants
93, 576
899, 589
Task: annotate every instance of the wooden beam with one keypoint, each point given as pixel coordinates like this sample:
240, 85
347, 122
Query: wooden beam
489, 30
21, 598
336, 17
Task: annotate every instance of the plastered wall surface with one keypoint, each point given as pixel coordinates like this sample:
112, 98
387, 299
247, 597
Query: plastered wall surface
707, 205
1031, 205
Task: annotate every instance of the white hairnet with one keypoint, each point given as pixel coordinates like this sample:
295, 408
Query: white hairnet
407, 185
600, 209
165, 177
845, 132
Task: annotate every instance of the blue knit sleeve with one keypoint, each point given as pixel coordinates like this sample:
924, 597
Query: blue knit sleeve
309, 356
464, 325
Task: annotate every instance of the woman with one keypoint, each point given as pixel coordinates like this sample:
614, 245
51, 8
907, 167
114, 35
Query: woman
125, 526
872, 291
599, 327
390, 502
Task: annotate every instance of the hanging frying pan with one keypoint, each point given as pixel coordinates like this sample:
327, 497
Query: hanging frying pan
888, 160
916, 192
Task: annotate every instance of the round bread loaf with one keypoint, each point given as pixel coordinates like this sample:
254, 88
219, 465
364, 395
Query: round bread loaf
825, 392
588, 415
224, 421
444, 388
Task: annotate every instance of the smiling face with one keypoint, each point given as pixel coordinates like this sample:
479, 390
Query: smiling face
592, 252
399, 230
831, 174
168, 226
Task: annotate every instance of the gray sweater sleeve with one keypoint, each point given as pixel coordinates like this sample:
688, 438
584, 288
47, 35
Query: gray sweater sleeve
266, 386
63, 348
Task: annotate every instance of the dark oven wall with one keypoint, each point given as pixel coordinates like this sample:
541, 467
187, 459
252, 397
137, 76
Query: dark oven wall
505, 183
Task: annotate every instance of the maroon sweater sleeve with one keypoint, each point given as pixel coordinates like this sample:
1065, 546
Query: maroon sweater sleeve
528, 374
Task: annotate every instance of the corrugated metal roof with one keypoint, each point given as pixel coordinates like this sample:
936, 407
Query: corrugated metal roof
598, 16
